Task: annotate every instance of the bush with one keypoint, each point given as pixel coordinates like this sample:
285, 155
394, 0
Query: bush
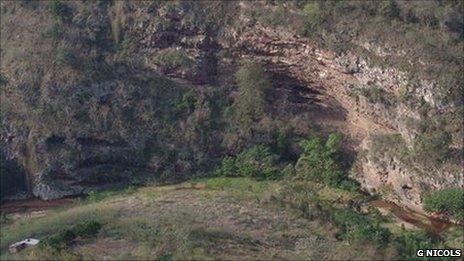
432, 147
319, 161
449, 201
257, 162
313, 15
454, 20
67, 57
227, 168
408, 242
378, 95
174, 59
65, 238
3, 80
60, 11
54, 32
87, 229
358, 228
253, 83
389, 9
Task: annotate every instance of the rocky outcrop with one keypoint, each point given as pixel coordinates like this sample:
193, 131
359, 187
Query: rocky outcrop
370, 97
404, 182
74, 129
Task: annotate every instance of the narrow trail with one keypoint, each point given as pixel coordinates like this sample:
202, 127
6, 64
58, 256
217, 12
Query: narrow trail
433, 225
33, 204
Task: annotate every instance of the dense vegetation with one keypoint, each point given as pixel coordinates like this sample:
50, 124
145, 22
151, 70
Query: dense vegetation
94, 90
448, 201
408, 31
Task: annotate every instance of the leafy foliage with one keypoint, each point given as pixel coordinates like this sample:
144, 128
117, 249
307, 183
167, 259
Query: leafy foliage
319, 162
3, 80
60, 10
389, 9
313, 14
449, 201
379, 95
252, 83
358, 228
174, 59
257, 162
433, 147
408, 242
68, 57
66, 237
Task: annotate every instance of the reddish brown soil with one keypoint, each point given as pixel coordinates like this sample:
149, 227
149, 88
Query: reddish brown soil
431, 224
29, 205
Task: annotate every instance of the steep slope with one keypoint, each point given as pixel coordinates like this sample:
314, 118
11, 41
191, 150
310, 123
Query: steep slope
336, 79
98, 94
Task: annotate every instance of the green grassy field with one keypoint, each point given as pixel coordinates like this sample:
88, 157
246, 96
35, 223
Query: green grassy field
216, 218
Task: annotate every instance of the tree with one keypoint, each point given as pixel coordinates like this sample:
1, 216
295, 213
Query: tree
314, 15
318, 161
389, 9
252, 83
448, 201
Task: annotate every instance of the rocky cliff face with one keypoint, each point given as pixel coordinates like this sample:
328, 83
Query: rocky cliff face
348, 79
84, 131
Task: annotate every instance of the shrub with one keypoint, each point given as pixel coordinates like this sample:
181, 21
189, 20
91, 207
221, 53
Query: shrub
408, 242
313, 15
3, 80
389, 9
227, 167
277, 17
174, 59
185, 103
449, 201
252, 82
257, 162
318, 161
85, 229
432, 147
427, 15
289, 171
378, 95
65, 238
55, 32
453, 19
68, 57
60, 10
393, 144
358, 228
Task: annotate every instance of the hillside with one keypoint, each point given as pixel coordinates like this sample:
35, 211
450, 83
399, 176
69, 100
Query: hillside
220, 218
355, 97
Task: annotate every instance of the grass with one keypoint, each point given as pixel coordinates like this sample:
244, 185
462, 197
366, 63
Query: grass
241, 188
228, 218
53, 223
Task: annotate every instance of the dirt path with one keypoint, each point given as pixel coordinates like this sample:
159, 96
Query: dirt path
433, 225
34, 204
